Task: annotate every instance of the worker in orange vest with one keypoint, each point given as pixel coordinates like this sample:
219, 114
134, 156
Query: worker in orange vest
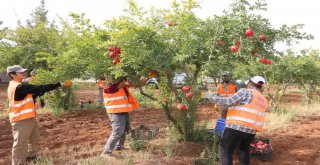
119, 102
245, 117
101, 84
22, 115
225, 89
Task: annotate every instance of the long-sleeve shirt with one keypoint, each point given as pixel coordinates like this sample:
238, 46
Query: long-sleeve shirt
242, 97
36, 90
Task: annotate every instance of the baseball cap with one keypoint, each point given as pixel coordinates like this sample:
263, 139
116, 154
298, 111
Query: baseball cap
15, 68
258, 80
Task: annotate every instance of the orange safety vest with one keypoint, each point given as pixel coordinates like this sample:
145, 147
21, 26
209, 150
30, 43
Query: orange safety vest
231, 90
120, 102
250, 115
101, 83
20, 110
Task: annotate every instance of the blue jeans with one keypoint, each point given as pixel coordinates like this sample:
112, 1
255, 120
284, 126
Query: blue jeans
230, 141
120, 123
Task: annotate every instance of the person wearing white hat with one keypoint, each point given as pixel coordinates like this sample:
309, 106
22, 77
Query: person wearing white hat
22, 115
245, 117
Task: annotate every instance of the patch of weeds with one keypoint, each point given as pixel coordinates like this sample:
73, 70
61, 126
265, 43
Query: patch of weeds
201, 134
138, 144
170, 141
209, 155
143, 100
128, 160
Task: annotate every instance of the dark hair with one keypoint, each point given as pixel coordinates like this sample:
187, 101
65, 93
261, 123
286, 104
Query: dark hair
102, 78
258, 86
9, 74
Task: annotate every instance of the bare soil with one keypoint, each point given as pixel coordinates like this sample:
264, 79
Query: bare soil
296, 144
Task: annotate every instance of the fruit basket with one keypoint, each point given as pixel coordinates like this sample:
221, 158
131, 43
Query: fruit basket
143, 132
261, 149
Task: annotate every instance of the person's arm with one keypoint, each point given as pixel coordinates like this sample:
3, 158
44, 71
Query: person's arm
142, 81
228, 100
217, 93
124, 84
237, 87
36, 90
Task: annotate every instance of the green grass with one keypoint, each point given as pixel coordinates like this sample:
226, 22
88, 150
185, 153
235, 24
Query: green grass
143, 100
287, 113
85, 85
86, 155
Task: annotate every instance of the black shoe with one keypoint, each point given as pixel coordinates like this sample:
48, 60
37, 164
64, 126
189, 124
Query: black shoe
32, 159
120, 149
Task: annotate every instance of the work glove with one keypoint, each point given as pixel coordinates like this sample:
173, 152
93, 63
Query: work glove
66, 83
216, 107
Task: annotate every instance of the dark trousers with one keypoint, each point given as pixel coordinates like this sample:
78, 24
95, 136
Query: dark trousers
230, 141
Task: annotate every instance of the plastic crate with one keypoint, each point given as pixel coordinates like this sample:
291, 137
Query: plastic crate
143, 132
264, 155
220, 126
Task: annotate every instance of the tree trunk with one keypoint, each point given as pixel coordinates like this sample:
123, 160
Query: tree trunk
307, 93
172, 119
276, 95
314, 89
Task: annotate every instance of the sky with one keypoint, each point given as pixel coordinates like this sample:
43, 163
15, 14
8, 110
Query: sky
279, 12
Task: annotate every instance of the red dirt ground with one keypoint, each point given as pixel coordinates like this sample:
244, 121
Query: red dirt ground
297, 144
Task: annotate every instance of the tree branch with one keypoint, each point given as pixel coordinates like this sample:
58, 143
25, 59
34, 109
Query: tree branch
147, 95
172, 88
171, 118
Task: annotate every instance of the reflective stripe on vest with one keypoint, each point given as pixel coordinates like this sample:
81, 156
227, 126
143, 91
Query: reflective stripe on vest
116, 98
13, 115
248, 110
245, 120
21, 104
118, 106
20, 110
250, 115
117, 102
231, 90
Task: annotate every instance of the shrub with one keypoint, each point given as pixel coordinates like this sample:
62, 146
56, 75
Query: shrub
61, 100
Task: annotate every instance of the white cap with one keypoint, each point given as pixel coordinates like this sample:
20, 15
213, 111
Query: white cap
246, 82
258, 80
15, 68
